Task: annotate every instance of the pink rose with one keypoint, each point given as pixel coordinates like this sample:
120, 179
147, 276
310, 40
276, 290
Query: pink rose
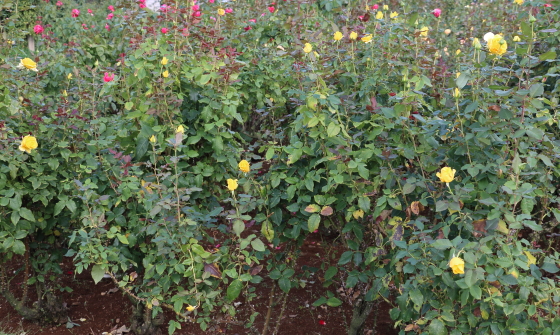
197, 14
164, 30
111, 8
436, 12
271, 9
110, 16
108, 77
107, 27
38, 29
84, 26
75, 12
229, 10
59, 3
247, 28
375, 7
253, 20
90, 12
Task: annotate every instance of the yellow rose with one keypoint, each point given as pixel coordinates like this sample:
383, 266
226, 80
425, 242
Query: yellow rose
232, 184
497, 45
28, 143
69, 76
180, 129
190, 308
424, 31
164, 61
244, 166
307, 48
165, 74
457, 265
367, 38
458, 52
221, 12
338, 36
393, 15
153, 139
385, 7
516, 39
447, 174
379, 15
519, 2
353, 35
27, 63
447, 31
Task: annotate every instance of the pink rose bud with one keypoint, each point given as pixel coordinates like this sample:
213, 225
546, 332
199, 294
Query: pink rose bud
436, 12
111, 8
271, 9
108, 77
164, 30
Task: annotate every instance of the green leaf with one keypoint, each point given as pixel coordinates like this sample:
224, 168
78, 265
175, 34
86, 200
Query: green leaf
345, 257
417, 297
18, 247
285, 284
545, 160
257, 244
334, 302
97, 273
437, 328
476, 292
313, 222
59, 207
320, 301
234, 289
442, 244
26, 214
547, 56
333, 129
267, 230
269, 154
71, 205
536, 90
128, 106
142, 145
331, 272
122, 239
516, 163
238, 227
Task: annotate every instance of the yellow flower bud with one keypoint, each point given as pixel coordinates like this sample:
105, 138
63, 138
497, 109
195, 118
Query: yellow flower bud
232, 184
69, 76
393, 15
180, 129
164, 61
165, 74
307, 48
379, 15
367, 38
153, 139
244, 166
353, 35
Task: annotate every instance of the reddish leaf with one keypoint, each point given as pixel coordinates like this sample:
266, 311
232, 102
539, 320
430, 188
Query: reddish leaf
326, 211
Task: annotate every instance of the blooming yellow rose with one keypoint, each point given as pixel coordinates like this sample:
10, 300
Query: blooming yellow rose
457, 265
367, 38
385, 7
180, 129
165, 74
164, 61
190, 308
27, 63
446, 175
424, 31
307, 48
393, 15
338, 36
244, 166
28, 143
516, 39
358, 214
497, 45
221, 12
353, 35
69, 76
379, 15
519, 2
232, 184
